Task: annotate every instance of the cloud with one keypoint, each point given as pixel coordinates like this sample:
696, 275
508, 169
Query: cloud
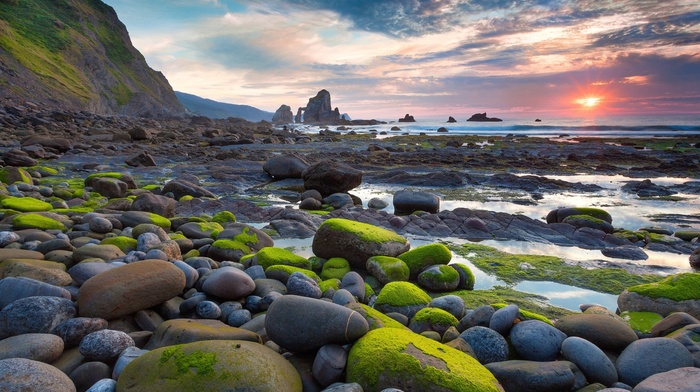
675, 30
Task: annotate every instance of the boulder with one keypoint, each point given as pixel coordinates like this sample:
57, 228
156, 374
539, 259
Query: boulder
407, 202
130, 288
592, 361
407, 118
228, 283
558, 215
285, 166
180, 331
34, 315
439, 278
424, 256
536, 340
305, 324
387, 269
689, 336
519, 375
42, 347
393, 358
606, 332
181, 188
401, 297
329, 177
15, 157
157, 204
488, 345
110, 187
647, 357
682, 379
12, 289
210, 366
675, 293
318, 110
20, 374
356, 241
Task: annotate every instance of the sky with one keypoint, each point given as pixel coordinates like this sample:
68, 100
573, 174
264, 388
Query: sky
385, 58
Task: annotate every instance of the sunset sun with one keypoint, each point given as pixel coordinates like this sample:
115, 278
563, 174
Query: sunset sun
589, 102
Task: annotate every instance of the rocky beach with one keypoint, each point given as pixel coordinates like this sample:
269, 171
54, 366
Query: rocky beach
140, 254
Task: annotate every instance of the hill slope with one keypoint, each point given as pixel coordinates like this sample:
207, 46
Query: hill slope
76, 54
214, 109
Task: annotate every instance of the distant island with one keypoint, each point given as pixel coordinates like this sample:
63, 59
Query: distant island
483, 118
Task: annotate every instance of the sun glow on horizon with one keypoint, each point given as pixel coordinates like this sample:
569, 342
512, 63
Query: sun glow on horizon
589, 102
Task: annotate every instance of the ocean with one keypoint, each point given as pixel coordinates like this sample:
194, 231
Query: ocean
628, 126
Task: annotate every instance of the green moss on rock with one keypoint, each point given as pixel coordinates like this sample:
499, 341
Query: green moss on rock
335, 267
288, 270
375, 319
424, 256
388, 357
329, 284
388, 269
680, 287
641, 321
402, 294
36, 221
126, 244
365, 231
435, 316
224, 217
25, 204
211, 228
6, 173
231, 245
526, 314
270, 256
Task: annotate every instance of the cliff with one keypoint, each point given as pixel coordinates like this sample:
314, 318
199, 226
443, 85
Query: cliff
76, 54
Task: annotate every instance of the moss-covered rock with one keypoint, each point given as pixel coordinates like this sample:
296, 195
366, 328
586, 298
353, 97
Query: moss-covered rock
439, 278
356, 241
232, 250
401, 297
327, 284
393, 358
466, 276
388, 269
198, 230
135, 218
210, 366
269, 256
10, 175
579, 221
335, 268
375, 318
558, 215
675, 293
25, 204
424, 256
687, 235
223, 217
282, 272
125, 244
432, 319
124, 177
41, 221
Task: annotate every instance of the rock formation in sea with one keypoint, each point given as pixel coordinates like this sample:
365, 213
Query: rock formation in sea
451, 120
318, 110
283, 115
482, 117
407, 118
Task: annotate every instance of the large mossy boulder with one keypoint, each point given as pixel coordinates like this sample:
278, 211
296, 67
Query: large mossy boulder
267, 257
558, 215
25, 204
425, 256
402, 297
580, 221
220, 365
38, 220
394, 358
388, 269
356, 241
675, 293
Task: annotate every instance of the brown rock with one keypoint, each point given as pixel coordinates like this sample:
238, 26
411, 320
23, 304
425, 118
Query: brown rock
180, 331
129, 288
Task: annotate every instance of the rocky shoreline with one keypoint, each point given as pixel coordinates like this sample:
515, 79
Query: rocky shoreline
127, 240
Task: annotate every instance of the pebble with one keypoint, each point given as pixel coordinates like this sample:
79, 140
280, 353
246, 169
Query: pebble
302, 285
228, 283
87, 374
647, 357
105, 345
42, 347
536, 340
20, 374
488, 345
502, 319
590, 359
329, 364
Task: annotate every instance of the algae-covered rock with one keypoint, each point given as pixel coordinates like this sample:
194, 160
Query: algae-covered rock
39, 220
197, 230
675, 293
335, 268
210, 366
270, 256
10, 175
25, 204
124, 177
466, 276
425, 256
356, 241
641, 321
439, 278
394, 358
402, 297
125, 244
388, 269
558, 215
135, 218
579, 221
227, 249
375, 318
253, 237
432, 319
283, 272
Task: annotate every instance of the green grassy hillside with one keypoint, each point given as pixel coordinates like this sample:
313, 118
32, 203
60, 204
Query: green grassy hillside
76, 54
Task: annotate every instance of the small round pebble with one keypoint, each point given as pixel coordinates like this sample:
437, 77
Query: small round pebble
239, 317
302, 285
208, 310
105, 345
20, 374
488, 345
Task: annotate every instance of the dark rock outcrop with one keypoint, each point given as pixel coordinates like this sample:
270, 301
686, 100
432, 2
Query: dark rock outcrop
318, 110
329, 177
283, 115
407, 118
483, 117
451, 120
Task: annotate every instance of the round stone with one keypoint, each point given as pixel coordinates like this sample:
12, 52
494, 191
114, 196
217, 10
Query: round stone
20, 374
34, 315
329, 364
647, 357
300, 284
488, 345
208, 310
100, 225
105, 345
439, 278
42, 347
228, 283
605, 331
450, 303
502, 320
592, 361
536, 340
